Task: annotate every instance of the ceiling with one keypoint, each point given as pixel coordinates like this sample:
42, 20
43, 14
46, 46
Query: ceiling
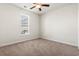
44, 9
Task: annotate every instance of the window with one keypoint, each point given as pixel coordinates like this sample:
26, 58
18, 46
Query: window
24, 24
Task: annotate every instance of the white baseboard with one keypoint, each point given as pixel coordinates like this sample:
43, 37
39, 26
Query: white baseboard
15, 42
61, 42
18, 41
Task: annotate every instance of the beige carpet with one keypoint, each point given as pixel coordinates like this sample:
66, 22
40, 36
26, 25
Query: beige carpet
39, 47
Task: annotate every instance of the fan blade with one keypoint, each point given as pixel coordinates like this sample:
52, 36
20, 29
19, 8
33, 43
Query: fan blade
47, 5
39, 9
34, 3
32, 7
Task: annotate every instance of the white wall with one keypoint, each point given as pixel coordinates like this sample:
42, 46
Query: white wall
57, 25
61, 25
10, 25
78, 25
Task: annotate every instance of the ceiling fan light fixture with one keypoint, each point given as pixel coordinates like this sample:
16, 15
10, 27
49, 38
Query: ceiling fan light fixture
38, 6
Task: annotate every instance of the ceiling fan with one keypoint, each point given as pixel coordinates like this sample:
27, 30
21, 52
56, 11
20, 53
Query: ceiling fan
39, 6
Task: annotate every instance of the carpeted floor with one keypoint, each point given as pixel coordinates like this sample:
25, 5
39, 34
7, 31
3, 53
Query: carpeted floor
39, 47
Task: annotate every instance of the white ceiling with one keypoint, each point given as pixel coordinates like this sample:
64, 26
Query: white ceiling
44, 9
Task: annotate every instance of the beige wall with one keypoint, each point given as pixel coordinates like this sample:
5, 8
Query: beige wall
10, 25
